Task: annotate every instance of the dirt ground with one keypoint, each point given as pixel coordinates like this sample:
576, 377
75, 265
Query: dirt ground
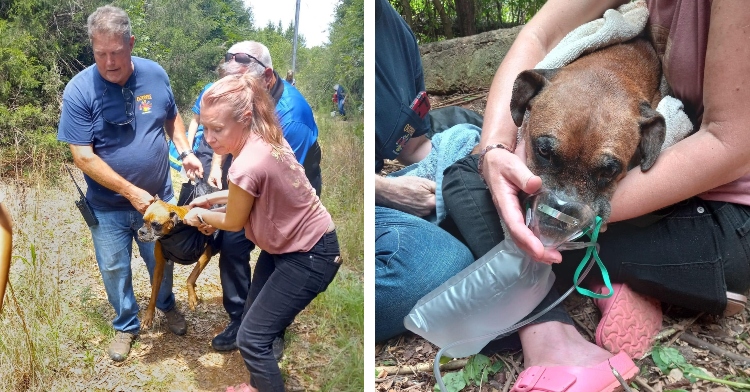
159, 360
405, 363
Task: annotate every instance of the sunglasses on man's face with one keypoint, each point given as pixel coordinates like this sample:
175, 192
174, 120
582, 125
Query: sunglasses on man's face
242, 58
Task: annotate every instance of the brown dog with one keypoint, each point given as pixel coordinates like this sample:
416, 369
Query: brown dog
591, 120
175, 241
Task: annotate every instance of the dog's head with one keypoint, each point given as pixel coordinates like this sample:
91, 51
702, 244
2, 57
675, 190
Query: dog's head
583, 131
160, 218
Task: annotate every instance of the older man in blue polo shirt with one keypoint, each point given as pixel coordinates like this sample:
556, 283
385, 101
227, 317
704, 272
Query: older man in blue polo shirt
412, 255
114, 117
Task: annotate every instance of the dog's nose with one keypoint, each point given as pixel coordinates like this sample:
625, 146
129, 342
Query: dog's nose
142, 231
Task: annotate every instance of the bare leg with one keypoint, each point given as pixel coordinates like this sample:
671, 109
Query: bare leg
558, 344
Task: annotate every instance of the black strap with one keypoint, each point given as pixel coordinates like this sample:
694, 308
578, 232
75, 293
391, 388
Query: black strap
74, 181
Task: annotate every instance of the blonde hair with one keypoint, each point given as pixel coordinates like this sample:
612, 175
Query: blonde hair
245, 94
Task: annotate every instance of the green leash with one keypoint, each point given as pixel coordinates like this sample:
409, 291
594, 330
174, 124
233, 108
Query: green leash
593, 236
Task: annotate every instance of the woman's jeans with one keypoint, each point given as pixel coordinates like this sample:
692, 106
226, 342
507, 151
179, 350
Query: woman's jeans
113, 244
412, 257
276, 298
689, 254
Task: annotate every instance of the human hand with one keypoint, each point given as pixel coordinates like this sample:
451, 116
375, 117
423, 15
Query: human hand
506, 174
193, 167
194, 218
201, 201
413, 195
140, 199
214, 178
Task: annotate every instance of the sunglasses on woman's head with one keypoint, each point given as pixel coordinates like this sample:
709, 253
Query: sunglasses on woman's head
242, 58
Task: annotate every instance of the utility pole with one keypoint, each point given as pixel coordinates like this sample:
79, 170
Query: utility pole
294, 45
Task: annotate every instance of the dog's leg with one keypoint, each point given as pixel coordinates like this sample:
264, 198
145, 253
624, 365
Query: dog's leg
199, 266
155, 285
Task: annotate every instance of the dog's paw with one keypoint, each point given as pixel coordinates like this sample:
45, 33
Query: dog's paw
148, 320
192, 300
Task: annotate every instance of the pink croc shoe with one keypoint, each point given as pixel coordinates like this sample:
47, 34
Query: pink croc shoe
598, 378
629, 321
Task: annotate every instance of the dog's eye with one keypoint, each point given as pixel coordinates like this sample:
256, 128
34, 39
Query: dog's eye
156, 225
545, 147
607, 173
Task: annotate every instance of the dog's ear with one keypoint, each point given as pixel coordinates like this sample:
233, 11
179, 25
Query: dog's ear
175, 218
527, 85
653, 132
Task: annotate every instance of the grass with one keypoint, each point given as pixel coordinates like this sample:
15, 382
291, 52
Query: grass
55, 323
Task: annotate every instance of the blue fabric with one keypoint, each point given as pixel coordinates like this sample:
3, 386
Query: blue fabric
447, 147
137, 151
398, 80
173, 153
297, 121
113, 244
412, 257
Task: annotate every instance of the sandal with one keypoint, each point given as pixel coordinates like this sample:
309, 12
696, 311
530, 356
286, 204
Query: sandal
735, 304
599, 378
629, 321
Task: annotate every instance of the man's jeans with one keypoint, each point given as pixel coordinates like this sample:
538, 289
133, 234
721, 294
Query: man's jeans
113, 243
412, 257
275, 301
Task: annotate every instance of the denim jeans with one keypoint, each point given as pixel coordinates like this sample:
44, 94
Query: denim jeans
274, 303
412, 257
113, 244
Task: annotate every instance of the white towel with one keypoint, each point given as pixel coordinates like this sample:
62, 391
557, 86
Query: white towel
618, 26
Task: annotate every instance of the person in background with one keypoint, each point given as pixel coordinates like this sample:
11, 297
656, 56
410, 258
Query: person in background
114, 117
339, 98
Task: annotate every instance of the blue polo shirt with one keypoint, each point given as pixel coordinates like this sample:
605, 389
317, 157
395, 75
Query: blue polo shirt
398, 80
91, 111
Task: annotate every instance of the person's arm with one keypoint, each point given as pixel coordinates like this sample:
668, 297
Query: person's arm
206, 201
505, 173
193, 129
719, 152
239, 205
99, 171
175, 129
413, 195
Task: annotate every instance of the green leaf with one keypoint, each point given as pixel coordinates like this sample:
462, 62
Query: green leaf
444, 360
454, 382
496, 367
475, 369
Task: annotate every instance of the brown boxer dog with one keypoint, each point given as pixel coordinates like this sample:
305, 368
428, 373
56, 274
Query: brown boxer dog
590, 121
161, 221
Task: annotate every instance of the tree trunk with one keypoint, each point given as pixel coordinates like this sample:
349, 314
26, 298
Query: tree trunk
466, 17
447, 24
407, 13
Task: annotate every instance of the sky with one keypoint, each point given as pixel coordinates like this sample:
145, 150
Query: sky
315, 16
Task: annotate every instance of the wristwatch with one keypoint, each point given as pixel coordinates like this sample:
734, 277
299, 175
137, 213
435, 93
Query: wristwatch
184, 154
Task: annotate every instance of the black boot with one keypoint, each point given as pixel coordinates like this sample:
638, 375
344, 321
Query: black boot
227, 339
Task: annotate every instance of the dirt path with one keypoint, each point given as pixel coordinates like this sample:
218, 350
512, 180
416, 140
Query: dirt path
159, 361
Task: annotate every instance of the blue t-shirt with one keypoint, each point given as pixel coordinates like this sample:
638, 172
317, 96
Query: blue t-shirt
137, 150
295, 117
398, 80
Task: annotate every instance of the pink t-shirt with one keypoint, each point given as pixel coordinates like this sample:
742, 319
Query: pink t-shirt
679, 32
286, 216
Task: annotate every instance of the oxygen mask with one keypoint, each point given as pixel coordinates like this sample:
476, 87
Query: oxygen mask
557, 221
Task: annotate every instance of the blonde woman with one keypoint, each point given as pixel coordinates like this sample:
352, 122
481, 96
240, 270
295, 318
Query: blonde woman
272, 199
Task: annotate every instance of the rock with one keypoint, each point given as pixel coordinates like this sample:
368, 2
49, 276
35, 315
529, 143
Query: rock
466, 63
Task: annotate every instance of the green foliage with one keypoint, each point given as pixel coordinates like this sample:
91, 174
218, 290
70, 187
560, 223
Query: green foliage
44, 43
427, 24
477, 372
669, 358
